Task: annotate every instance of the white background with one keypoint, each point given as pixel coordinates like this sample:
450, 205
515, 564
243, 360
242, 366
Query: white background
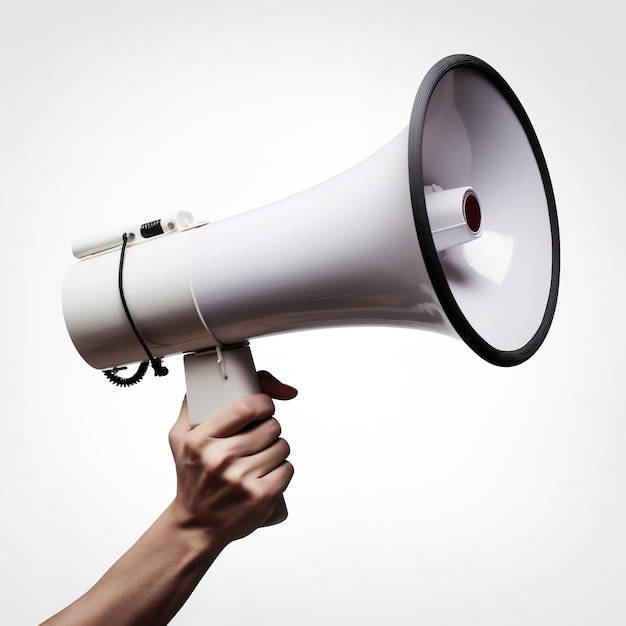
431, 488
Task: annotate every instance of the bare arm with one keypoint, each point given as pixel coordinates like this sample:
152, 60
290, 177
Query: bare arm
231, 470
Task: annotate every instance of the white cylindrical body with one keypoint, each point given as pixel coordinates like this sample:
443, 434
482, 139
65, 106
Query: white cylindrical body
342, 253
157, 290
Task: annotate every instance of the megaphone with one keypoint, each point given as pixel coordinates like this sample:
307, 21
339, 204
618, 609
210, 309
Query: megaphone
451, 227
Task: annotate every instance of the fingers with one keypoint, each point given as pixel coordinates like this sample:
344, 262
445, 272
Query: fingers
278, 479
244, 432
236, 416
262, 463
252, 453
256, 437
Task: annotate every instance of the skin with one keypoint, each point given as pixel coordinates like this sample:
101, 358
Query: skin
231, 473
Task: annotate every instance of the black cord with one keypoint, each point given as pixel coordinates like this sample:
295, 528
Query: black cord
157, 366
126, 382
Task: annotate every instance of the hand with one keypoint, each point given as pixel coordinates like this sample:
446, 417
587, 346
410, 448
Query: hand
232, 469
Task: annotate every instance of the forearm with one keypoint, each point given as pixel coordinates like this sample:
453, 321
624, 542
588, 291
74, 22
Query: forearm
231, 472
149, 583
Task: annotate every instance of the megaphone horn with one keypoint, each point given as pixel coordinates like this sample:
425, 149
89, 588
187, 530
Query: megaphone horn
451, 227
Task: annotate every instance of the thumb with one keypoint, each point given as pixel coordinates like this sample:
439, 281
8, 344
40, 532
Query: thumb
274, 388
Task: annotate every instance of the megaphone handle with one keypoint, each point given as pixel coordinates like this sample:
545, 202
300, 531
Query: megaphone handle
215, 378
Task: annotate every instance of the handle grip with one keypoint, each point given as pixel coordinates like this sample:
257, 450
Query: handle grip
215, 378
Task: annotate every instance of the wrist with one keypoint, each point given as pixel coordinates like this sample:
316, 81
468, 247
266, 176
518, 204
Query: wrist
198, 543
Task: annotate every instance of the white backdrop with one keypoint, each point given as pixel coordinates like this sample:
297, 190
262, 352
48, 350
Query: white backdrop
431, 488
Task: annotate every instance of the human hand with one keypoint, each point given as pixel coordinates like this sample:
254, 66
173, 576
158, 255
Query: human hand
232, 468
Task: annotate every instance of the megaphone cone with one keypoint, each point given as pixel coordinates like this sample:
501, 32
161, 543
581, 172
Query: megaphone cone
468, 127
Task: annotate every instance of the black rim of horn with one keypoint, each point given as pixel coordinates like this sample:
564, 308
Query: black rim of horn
431, 258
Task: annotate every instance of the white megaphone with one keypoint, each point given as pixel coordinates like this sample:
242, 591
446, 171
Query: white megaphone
451, 227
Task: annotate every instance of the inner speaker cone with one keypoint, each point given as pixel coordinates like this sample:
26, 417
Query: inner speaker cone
471, 211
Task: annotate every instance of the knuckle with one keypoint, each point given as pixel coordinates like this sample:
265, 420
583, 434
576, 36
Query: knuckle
213, 455
265, 405
252, 408
227, 453
194, 446
218, 459
244, 409
258, 496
